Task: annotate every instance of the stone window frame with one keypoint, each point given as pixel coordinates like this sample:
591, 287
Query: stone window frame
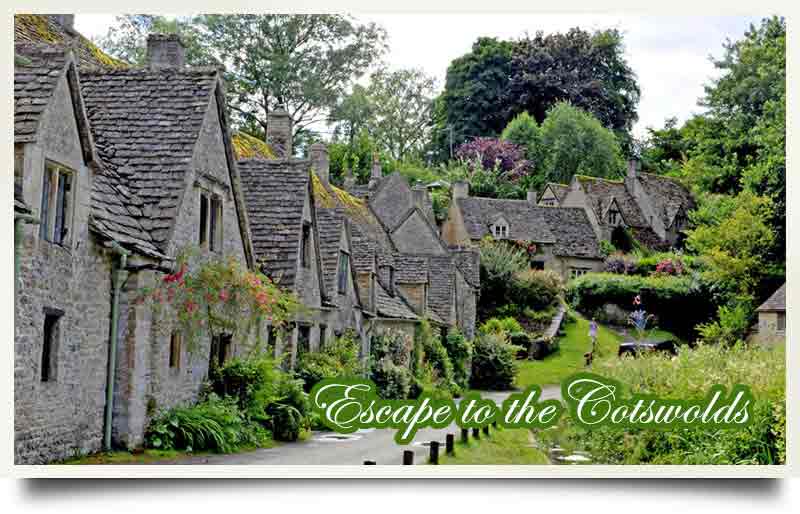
499, 230
54, 201
211, 220
780, 322
51, 343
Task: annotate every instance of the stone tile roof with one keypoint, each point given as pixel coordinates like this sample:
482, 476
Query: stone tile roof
667, 195
468, 261
274, 195
574, 235
776, 302
329, 226
525, 220
246, 146
410, 269
36, 74
601, 192
389, 306
441, 271
145, 124
40, 28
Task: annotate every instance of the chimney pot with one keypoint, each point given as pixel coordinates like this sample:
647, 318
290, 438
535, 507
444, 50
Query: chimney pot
67, 21
460, 190
165, 51
279, 132
349, 179
633, 167
532, 197
318, 153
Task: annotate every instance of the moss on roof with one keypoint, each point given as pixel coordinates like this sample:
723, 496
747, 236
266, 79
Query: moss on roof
38, 28
247, 147
331, 196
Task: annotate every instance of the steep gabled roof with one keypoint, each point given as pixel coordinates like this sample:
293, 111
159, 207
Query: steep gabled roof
601, 192
146, 123
36, 75
248, 147
274, 195
526, 221
667, 195
441, 271
776, 302
40, 28
392, 306
558, 190
410, 269
574, 235
330, 225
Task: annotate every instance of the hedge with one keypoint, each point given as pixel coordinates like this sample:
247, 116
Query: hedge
679, 302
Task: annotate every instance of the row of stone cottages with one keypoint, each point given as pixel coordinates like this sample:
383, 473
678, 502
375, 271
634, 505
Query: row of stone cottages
116, 169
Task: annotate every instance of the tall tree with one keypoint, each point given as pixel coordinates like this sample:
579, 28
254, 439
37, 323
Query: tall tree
401, 103
351, 114
304, 62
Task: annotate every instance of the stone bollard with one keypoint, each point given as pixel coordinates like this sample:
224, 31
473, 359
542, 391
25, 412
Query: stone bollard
465, 435
370, 463
408, 458
486, 430
450, 444
494, 424
476, 434
434, 459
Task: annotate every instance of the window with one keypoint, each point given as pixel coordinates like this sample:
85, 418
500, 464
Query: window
56, 209
549, 202
578, 272
215, 228
781, 322
203, 219
305, 249
303, 339
322, 330
537, 265
500, 231
344, 270
614, 217
175, 341
52, 334
210, 222
220, 349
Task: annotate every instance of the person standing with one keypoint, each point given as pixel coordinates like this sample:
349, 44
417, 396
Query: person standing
593, 337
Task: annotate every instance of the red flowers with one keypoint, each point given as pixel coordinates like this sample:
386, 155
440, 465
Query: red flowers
223, 295
176, 277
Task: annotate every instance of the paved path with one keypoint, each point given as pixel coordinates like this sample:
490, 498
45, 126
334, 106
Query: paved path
325, 448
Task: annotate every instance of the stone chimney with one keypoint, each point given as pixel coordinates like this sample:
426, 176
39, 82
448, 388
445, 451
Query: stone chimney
633, 169
279, 132
165, 51
318, 153
532, 197
67, 21
349, 179
460, 190
377, 173
420, 195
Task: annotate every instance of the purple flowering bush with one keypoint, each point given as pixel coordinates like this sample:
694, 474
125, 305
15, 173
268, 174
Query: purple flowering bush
504, 157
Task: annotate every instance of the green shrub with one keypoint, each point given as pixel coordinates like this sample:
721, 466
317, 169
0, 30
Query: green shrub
502, 327
392, 381
731, 325
339, 358
460, 351
434, 354
690, 375
536, 289
500, 261
392, 344
679, 302
288, 415
493, 363
252, 382
216, 424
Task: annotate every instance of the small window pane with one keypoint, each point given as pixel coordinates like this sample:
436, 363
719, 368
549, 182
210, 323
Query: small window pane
175, 350
203, 219
45, 208
305, 256
50, 346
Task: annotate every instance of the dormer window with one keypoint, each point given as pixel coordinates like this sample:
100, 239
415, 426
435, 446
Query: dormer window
500, 230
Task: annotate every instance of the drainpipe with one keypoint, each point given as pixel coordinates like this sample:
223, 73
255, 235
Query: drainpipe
117, 278
19, 220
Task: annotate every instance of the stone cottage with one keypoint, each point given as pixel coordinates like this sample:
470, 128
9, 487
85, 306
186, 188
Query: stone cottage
122, 167
772, 316
653, 208
562, 239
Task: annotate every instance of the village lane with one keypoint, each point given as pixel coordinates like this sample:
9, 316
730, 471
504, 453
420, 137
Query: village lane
329, 448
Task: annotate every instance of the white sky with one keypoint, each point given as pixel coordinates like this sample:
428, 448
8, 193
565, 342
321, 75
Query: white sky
669, 54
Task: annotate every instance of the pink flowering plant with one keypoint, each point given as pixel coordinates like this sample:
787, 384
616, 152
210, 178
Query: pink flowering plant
217, 296
670, 267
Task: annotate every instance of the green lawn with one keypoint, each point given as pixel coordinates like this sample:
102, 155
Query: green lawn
568, 359
124, 457
509, 446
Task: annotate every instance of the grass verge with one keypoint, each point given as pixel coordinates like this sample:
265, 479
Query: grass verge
503, 446
568, 359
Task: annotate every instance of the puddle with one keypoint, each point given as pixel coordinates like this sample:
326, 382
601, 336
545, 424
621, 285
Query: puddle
337, 438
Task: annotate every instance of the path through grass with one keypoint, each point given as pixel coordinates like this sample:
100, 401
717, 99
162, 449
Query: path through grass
568, 359
503, 446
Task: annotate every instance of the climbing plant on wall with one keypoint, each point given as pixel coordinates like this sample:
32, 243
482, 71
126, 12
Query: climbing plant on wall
218, 296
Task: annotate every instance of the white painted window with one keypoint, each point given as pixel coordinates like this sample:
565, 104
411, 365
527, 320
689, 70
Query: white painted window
500, 230
578, 272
